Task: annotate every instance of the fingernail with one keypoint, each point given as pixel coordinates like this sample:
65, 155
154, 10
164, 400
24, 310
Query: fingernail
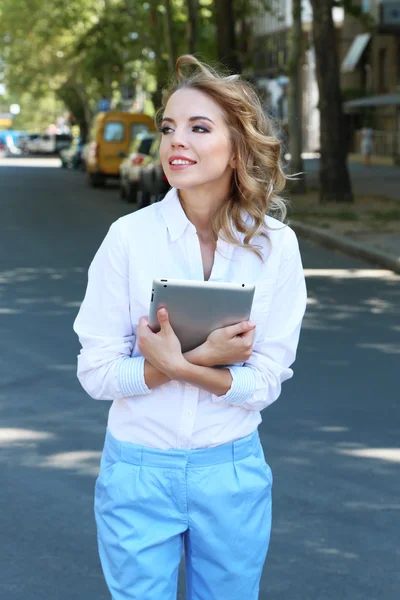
251, 323
163, 312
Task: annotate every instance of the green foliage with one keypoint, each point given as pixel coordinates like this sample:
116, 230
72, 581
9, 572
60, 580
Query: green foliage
84, 50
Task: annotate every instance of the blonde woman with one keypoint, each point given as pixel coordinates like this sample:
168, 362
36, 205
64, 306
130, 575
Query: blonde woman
182, 465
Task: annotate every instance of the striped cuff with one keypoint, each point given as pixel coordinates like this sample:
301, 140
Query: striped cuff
242, 388
130, 375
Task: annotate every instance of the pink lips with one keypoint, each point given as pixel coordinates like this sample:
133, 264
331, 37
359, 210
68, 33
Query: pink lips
180, 167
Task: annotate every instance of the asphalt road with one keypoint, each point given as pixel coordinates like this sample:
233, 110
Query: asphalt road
332, 439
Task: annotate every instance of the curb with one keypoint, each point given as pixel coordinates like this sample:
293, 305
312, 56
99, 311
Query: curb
357, 249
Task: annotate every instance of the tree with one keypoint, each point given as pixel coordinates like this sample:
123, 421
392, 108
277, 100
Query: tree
192, 25
295, 108
85, 50
225, 22
335, 183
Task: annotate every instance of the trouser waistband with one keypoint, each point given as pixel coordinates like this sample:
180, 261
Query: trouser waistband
177, 458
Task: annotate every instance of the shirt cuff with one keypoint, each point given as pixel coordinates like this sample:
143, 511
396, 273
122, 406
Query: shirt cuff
130, 375
242, 388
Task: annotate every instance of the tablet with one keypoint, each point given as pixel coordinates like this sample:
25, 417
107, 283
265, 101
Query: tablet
196, 308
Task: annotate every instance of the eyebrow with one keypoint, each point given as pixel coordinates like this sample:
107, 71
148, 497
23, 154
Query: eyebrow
197, 118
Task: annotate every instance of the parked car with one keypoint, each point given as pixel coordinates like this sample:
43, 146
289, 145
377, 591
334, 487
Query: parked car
71, 157
111, 134
153, 183
53, 143
31, 143
130, 167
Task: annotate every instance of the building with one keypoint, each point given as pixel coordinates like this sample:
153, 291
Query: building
370, 75
271, 32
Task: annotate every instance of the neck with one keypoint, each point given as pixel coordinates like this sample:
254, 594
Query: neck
201, 206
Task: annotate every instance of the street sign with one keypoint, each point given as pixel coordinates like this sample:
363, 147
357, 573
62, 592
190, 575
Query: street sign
104, 104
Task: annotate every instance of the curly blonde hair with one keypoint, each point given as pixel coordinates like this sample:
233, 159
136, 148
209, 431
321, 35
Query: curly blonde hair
258, 177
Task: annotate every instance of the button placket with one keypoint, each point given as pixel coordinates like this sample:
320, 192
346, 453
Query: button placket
194, 254
187, 416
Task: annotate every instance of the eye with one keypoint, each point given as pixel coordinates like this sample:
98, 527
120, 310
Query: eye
200, 129
164, 130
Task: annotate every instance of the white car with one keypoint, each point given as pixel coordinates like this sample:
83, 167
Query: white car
49, 143
52, 143
129, 170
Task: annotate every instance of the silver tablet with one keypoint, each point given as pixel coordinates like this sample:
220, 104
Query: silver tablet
196, 308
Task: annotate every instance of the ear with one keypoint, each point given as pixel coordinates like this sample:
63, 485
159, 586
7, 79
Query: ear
232, 162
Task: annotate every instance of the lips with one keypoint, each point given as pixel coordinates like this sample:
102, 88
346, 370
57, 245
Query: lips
181, 160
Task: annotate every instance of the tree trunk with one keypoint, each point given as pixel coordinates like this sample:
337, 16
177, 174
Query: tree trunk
226, 38
295, 98
169, 35
192, 25
335, 183
83, 130
159, 65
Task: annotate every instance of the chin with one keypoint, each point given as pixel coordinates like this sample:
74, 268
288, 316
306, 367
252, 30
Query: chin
180, 184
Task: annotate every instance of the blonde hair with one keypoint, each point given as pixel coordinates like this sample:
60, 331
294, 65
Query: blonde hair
258, 177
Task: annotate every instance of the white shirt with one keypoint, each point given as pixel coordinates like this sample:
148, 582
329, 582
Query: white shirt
160, 242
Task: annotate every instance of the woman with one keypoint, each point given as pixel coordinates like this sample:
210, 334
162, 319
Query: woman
182, 464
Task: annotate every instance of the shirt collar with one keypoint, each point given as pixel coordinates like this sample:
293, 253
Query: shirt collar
176, 219
174, 215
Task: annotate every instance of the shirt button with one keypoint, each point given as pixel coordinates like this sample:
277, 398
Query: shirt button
189, 413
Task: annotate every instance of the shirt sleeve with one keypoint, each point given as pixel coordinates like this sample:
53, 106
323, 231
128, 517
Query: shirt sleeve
258, 383
106, 369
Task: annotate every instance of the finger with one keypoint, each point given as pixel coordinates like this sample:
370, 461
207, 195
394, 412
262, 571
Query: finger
240, 328
143, 322
248, 336
163, 319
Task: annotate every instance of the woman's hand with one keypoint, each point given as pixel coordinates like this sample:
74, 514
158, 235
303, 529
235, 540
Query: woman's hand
163, 349
225, 346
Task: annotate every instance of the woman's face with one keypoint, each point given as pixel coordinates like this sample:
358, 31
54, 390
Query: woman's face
196, 149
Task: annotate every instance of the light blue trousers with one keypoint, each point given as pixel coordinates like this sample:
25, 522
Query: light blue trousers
216, 502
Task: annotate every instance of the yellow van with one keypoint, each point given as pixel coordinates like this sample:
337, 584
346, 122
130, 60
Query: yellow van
110, 137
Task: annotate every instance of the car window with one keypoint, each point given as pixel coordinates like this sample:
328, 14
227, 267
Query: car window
138, 129
145, 145
114, 131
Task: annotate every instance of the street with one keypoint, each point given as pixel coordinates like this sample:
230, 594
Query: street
332, 439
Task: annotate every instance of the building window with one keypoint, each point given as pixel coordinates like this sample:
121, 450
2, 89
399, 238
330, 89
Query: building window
366, 5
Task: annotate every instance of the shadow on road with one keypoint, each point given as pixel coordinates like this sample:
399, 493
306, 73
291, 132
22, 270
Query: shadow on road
332, 438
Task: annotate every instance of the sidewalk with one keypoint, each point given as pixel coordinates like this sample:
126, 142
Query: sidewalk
369, 229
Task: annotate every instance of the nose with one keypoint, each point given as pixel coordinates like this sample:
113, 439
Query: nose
178, 139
